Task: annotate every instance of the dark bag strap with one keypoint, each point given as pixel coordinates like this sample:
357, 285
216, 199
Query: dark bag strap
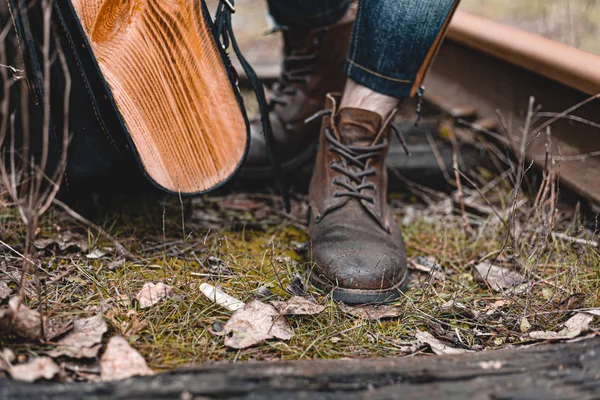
225, 34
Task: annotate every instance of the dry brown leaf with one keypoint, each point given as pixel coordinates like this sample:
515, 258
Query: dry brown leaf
84, 340
437, 346
255, 323
57, 326
221, 298
498, 278
96, 254
372, 312
298, 306
458, 308
19, 319
152, 294
428, 265
574, 327
296, 287
4, 290
63, 241
38, 368
121, 361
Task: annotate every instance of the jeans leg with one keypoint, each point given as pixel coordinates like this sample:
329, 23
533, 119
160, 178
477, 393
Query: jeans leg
395, 41
307, 14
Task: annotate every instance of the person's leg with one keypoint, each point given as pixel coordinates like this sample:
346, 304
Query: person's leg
393, 45
316, 35
307, 14
357, 248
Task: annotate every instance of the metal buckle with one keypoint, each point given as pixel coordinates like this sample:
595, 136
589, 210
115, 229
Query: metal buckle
230, 5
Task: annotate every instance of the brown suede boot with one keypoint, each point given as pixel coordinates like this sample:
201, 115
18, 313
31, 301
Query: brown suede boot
313, 66
357, 248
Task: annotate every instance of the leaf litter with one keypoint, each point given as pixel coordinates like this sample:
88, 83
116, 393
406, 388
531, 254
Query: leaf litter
121, 361
498, 278
254, 323
84, 341
372, 312
298, 306
152, 293
575, 326
36, 369
437, 346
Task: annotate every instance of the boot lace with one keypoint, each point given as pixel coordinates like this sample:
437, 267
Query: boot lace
296, 69
355, 160
355, 166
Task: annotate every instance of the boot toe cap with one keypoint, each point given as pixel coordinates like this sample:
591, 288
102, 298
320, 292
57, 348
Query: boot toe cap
373, 262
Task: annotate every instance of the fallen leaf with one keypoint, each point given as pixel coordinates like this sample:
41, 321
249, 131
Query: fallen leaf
264, 292
428, 265
372, 312
4, 290
38, 368
96, 254
84, 341
255, 323
113, 265
525, 325
121, 361
296, 287
455, 307
57, 326
498, 278
63, 241
221, 298
574, 327
152, 294
7, 355
437, 346
19, 319
298, 306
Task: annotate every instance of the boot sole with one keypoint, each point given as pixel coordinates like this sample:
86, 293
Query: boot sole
288, 167
170, 87
361, 296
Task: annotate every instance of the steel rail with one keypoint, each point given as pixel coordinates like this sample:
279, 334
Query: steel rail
493, 69
565, 64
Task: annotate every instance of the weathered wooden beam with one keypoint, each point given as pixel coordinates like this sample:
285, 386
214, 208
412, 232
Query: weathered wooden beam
559, 371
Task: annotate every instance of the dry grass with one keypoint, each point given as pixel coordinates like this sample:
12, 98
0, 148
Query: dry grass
241, 242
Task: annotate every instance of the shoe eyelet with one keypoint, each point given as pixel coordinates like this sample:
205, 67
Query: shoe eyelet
388, 229
332, 164
318, 217
336, 194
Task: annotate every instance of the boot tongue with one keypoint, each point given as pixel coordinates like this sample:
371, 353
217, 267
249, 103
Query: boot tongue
358, 127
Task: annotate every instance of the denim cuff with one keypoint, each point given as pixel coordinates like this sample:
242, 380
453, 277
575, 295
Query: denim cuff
394, 87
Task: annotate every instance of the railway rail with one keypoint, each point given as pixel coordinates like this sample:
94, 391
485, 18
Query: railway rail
494, 70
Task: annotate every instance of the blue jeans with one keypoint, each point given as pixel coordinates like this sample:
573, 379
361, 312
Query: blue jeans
393, 42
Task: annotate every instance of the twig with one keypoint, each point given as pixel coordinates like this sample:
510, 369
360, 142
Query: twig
75, 215
572, 239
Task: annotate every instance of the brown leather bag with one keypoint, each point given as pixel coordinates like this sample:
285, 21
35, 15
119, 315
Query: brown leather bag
152, 78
